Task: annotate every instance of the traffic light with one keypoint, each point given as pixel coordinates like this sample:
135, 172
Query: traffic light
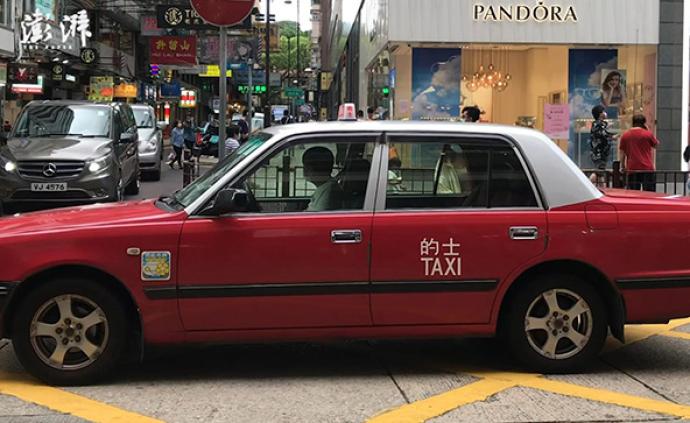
385, 91
258, 89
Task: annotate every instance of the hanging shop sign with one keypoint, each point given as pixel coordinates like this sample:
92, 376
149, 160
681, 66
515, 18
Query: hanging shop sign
36, 88
171, 50
125, 90
173, 89
101, 88
23, 73
539, 12
88, 56
213, 71
188, 99
36, 29
57, 72
179, 16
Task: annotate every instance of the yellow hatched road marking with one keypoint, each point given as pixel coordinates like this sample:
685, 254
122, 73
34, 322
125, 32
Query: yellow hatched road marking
66, 402
437, 405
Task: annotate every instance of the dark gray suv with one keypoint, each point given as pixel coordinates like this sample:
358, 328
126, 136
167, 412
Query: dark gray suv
69, 152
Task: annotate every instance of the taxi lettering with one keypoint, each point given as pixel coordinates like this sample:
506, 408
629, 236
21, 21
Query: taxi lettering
440, 259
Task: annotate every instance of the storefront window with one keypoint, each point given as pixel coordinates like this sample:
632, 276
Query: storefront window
5, 12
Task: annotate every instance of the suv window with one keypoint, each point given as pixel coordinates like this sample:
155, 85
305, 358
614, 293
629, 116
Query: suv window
316, 176
436, 173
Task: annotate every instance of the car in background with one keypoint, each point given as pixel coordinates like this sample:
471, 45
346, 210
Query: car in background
150, 140
69, 152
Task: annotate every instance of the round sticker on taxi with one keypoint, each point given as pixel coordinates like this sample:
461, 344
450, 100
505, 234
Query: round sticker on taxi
155, 265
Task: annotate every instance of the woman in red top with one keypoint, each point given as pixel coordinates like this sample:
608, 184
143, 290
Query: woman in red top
638, 155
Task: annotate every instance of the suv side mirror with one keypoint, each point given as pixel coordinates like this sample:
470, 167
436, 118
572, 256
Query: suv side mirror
161, 124
229, 200
127, 137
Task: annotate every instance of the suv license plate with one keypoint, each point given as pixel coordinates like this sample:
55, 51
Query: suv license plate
53, 186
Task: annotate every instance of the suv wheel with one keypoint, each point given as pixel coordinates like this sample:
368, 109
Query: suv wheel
557, 323
69, 331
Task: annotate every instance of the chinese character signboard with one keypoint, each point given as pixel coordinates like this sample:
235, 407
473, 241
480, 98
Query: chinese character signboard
38, 31
171, 50
101, 88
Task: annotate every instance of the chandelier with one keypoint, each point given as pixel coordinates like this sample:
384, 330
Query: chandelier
495, 75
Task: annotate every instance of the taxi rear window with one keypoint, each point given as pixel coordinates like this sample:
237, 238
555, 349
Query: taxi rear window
435, 173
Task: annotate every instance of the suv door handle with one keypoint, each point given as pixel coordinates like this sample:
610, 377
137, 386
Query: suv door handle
524, 232
348, 236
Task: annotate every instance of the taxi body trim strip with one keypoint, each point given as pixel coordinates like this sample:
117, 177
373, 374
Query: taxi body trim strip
334, 288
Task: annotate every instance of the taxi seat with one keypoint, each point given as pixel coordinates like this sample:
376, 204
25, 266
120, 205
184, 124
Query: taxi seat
354, 180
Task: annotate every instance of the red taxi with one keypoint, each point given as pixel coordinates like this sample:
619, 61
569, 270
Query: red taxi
350, 230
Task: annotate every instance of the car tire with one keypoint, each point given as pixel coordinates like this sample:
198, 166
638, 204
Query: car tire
545, 330
83, 331
133, 187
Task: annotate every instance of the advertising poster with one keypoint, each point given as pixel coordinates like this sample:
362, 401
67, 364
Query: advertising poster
239, 50
613, 86
556, 121
435, 83
101, 88
585, 70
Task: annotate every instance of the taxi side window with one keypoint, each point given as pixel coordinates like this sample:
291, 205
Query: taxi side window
318, 176
439, 173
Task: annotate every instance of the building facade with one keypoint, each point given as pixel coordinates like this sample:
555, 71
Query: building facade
538, 64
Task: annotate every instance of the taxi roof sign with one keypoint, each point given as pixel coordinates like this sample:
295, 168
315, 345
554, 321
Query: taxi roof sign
347, 112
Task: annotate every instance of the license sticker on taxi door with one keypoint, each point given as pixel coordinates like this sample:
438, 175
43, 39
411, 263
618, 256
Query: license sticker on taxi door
155, 265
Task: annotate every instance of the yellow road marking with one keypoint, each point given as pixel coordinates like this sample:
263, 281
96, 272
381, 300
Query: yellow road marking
608, 397
479, 391
437, 405
66, 402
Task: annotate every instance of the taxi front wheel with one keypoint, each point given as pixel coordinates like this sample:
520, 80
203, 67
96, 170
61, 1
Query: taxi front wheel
556, 323
69, 331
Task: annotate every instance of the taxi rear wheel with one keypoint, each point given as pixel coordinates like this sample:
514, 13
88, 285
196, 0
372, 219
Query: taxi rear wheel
557, 323
69, 331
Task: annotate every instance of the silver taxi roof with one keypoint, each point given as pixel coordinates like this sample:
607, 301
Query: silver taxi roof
562, 183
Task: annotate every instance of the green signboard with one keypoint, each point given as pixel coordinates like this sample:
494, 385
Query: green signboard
293, 92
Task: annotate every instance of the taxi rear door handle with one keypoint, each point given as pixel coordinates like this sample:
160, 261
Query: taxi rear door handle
346, 236
524, 232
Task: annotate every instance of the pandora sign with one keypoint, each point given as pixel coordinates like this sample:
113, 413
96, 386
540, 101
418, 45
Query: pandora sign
539, 12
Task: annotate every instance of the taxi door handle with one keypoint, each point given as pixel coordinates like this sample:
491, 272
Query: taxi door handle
524, 232
347, 236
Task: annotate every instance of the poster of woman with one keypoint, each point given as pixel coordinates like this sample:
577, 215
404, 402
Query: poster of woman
435, 83
613, 86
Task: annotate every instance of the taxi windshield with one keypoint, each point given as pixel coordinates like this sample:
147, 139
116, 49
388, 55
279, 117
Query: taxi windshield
191, 192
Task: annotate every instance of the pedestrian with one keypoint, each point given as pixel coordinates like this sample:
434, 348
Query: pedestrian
471, 114
638, 155
286, 119
360, 114
189, 134
177, 141
370, 113
600, 141
243, 126
232, 143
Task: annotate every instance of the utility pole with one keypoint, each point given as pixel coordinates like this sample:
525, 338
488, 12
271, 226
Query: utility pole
299, 70
267, 116
223, 88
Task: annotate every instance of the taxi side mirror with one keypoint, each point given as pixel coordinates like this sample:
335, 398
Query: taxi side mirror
228, 201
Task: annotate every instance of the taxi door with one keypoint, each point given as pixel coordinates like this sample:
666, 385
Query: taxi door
292, 260
457, 216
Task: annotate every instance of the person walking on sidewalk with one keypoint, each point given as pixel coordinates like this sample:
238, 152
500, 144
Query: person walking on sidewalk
177, 141
638, 155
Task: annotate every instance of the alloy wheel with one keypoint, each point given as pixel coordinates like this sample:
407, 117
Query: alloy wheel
558, 324
69, 332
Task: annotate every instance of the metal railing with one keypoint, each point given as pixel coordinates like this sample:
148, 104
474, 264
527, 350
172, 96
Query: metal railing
672, 182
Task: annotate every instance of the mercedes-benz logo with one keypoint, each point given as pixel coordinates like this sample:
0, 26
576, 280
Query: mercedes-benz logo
50, 170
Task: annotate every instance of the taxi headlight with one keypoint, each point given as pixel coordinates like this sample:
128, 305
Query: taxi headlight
10, 167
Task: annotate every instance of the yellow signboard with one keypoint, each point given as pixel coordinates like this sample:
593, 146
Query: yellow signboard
101, 88
213, 71
125, 91
275, 35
